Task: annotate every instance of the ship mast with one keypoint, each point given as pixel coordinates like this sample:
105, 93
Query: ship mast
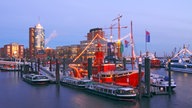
132, 48
95, 37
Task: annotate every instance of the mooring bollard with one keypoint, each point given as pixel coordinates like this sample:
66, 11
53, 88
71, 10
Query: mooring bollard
50, 65
64, 66
38, 65
140, 62
32, 66
169, 71
21, 67
57, 72
124, 63
35, 65
89, 68
147, 76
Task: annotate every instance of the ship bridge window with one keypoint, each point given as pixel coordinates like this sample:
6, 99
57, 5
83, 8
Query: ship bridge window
105, 75
189, 66
102, 75
108, 75
120, 75
187, 61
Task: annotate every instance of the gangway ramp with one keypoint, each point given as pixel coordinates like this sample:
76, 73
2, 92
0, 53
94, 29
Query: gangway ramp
50, 74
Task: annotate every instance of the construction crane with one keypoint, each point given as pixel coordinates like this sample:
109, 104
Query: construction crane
119, 35
111, 32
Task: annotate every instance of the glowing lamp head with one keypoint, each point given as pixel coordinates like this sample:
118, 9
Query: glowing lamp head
15, 52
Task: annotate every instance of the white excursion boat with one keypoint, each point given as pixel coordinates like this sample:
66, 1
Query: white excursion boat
180, 65
36, 79
181, 62
111, 91
162, 82
8, 67
74, 82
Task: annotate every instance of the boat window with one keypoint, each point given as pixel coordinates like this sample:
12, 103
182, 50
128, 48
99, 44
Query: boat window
119, 92
113, 92
28, 77
42, 77
110, 91
105, 90
84, 82
101, 89
97, 89
34, 77
174, 61
123, 92
79, 82
178, 66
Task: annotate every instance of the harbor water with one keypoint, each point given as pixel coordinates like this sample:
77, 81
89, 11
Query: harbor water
15, 93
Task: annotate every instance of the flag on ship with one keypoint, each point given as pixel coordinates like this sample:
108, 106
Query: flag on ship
126, 43
122, 49
147, 36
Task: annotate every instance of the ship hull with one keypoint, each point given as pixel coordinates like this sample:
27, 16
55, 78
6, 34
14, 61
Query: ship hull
155, 63
177, 67
110, 96
75, 83
111, 91
36, 79
131, 79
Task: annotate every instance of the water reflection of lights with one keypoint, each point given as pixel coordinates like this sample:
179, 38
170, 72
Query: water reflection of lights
185, 74
161, 89
80, 100
172, 72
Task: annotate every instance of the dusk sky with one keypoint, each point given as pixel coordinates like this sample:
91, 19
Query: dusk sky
168, 21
